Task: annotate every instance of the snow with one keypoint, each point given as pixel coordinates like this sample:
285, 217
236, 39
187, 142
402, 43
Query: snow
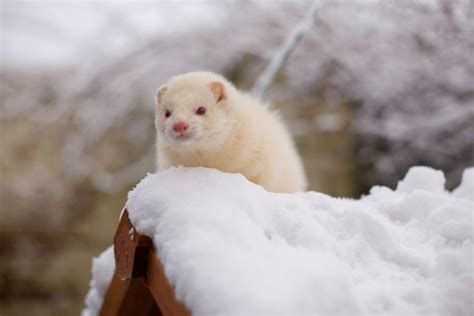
102, 271
466, 189
422, 178
231, 248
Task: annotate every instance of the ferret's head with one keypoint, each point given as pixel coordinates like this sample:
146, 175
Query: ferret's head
193, 111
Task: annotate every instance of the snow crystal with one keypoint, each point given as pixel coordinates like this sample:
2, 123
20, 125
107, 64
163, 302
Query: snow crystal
231, 248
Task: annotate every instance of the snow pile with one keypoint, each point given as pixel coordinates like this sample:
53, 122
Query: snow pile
231, 248
102, 271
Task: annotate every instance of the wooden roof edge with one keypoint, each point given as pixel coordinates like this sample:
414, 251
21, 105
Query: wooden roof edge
139, 285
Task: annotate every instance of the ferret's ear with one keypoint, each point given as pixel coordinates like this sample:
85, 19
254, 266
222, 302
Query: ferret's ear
160, 92
218, 90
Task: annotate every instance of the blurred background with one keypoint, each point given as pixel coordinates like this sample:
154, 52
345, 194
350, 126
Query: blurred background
372, 89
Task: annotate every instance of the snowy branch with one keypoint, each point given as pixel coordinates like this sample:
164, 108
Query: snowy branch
281, 56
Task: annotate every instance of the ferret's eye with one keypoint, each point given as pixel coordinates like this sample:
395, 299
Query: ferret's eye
167, 113
201, 110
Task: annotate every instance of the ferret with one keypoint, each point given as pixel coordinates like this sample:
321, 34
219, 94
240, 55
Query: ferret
202, 120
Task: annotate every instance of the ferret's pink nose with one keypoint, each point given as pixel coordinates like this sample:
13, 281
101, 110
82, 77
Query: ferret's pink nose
180, 127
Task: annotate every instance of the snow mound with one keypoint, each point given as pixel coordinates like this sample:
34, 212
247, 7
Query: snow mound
231, 248
102, 271
466, 188
422, 178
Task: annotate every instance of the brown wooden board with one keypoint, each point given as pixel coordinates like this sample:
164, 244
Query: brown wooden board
139, 286
161, 289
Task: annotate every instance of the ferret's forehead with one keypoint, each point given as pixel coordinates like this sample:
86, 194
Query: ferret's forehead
187, 95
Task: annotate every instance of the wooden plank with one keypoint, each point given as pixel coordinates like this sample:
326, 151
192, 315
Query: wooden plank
130, 249
161, 289
129, 298
114, 297
139, 286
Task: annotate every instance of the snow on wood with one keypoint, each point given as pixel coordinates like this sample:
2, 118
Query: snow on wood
230, 247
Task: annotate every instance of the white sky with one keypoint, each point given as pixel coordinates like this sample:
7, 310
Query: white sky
47, 33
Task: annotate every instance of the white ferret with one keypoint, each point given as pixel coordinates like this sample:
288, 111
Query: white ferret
202, 120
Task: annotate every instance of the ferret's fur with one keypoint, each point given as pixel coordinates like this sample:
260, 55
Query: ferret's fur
237, 134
